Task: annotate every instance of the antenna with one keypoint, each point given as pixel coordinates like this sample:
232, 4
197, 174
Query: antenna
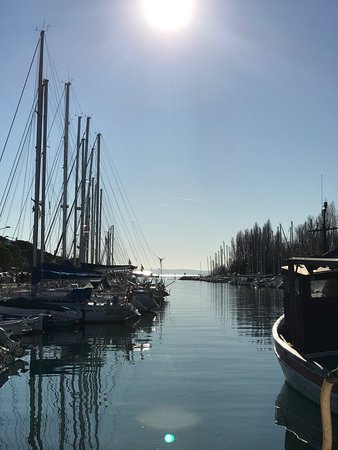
321, 189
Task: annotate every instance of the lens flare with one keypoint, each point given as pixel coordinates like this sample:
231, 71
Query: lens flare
169, 438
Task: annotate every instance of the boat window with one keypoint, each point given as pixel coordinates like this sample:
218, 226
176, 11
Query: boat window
324, 288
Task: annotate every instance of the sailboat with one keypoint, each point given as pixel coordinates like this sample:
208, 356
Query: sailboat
67, 305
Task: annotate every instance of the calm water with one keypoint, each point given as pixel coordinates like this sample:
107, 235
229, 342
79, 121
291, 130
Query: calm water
201, 372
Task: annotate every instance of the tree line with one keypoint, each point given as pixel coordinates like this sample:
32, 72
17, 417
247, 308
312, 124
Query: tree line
262, 250
16, 256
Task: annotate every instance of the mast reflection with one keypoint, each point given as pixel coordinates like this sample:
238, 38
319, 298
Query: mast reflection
78, 383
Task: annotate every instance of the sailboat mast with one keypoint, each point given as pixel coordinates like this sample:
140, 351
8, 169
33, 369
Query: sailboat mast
112, 244
44, 169
38, 153
97, 233
92, 222
65, 175
83, 194
88, 208
324, 227
100, 228
78, 144
108, 246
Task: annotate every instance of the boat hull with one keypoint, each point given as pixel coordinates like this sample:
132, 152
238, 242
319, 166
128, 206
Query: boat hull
99, 309
106, 314
57, 316
144, 301
102, 309
301, 372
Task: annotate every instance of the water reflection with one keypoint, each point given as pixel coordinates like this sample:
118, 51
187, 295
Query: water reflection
77, 382
250, 311
302, 421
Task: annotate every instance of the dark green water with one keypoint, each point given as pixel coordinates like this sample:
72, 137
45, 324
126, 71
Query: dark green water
202, 373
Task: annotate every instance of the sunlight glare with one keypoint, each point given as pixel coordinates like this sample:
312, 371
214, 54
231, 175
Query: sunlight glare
168, 15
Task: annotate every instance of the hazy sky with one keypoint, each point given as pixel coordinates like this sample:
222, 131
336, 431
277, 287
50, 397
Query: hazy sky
229, 121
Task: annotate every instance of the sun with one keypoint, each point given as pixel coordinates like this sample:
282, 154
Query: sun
168, 15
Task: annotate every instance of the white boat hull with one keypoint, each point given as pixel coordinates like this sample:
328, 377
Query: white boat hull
106, 313
300, 371
99, 309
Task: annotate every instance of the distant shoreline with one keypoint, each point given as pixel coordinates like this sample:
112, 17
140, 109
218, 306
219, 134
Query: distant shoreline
271, 281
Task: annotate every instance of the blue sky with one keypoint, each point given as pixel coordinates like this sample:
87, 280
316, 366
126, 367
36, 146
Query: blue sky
230, 121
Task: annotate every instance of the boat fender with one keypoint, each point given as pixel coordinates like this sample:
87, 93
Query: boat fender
325, 408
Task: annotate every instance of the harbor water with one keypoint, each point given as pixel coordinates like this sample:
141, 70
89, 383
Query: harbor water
200, 374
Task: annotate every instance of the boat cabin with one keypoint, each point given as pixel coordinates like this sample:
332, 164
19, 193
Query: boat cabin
311, 304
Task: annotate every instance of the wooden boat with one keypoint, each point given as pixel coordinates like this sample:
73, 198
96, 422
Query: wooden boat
306, 336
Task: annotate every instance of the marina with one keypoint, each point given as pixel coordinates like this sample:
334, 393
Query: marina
110, 342
201, 370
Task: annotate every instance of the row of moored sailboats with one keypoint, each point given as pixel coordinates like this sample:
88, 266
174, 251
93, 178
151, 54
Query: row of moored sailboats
75, 289
67, 304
